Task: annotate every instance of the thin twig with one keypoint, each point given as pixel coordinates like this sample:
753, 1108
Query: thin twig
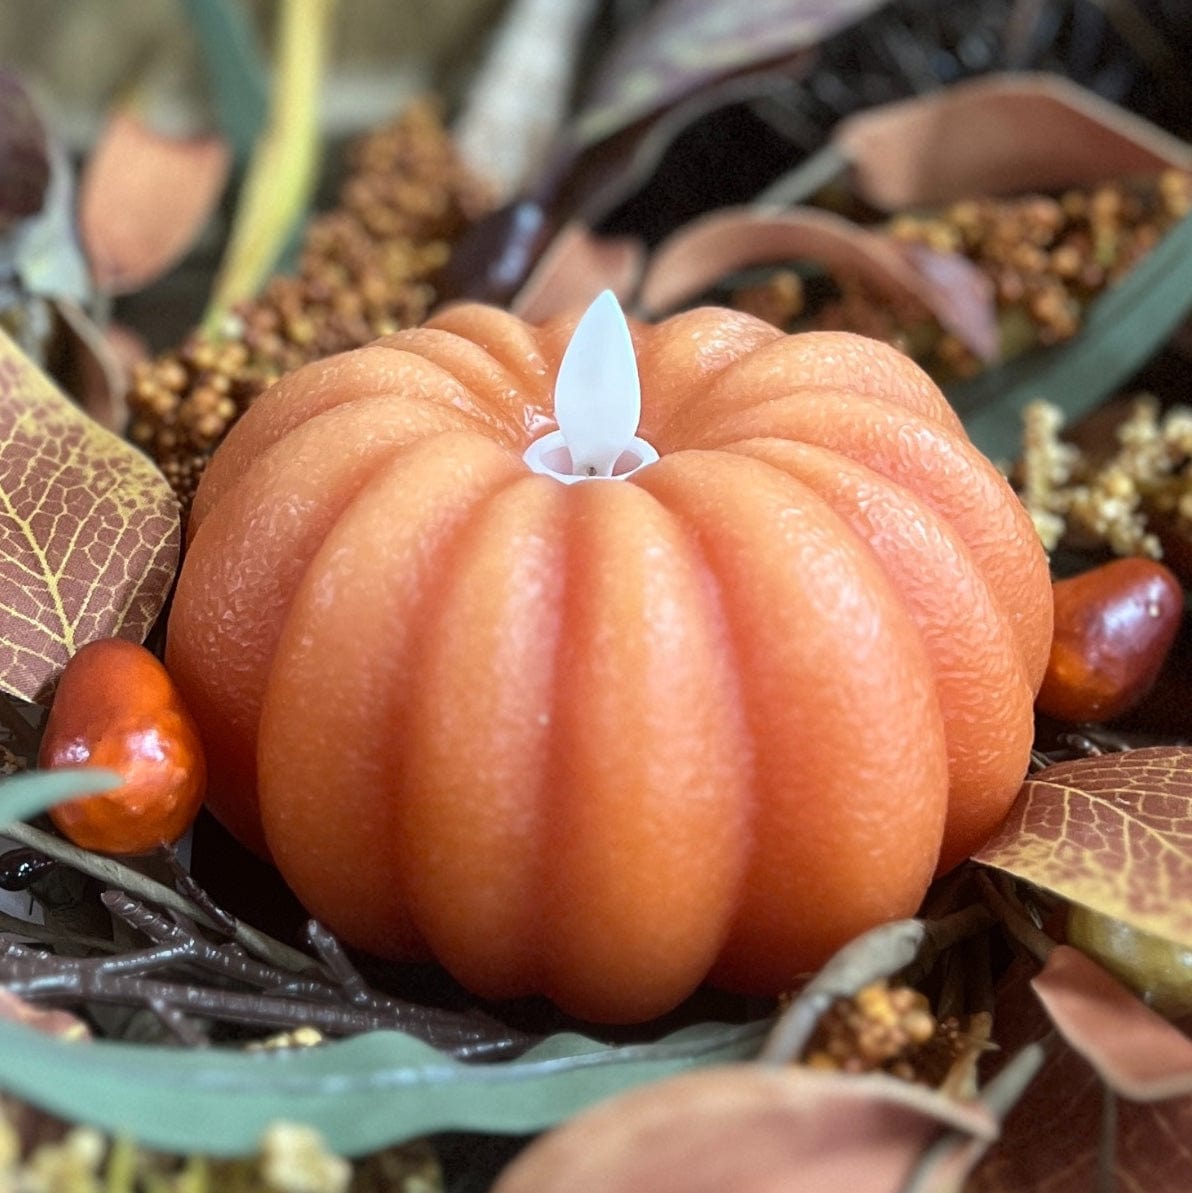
332, 955
945, 933
1107, 1143
42, 977
184, 881
177, 945
1021, 928
181, 1027
228, 961
21, 732
117, 874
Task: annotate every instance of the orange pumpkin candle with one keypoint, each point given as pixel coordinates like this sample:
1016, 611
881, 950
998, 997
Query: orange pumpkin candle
707, 716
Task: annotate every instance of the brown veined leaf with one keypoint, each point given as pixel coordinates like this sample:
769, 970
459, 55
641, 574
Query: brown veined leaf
144, 198
89, 531
1051, 1140
768, 1130
1112, 833
1137, 1052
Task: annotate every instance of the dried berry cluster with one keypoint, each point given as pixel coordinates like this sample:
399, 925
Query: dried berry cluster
365, 270
1117, 501
887, 1028
292, 1159
1046, 259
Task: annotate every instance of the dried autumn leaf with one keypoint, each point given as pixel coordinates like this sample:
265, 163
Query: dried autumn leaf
576, 267
1113, 833
24, 153
1051, 1140
683, 46
1137, 1052
93, 364
768, 1130
707, 250
144, 198
52, 1022
89, 531
997, 135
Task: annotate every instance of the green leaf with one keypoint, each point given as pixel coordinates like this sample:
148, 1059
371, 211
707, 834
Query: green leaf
282, 173
236, 69
362, 1094
1124, 329
43, 250
22, 796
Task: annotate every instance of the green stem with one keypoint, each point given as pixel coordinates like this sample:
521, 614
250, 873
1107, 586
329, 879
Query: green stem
282, 171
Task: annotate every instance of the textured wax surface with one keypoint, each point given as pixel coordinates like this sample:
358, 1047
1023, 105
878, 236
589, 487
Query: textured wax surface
601, 741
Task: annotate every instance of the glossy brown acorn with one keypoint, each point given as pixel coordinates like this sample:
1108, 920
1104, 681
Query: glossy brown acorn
115, 707
1114, 627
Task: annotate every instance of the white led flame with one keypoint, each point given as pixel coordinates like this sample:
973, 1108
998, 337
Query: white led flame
597, 403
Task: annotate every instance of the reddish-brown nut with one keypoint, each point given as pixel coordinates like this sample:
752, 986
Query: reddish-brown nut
116, 707
1114, 626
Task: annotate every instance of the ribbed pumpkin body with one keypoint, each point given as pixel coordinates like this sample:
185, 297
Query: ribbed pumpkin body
605, 740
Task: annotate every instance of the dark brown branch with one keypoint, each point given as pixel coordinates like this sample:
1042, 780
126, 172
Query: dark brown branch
42, 977
1015, 920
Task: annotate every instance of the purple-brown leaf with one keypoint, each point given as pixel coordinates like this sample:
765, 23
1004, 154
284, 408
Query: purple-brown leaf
144, 198
577, 267
706, 251
1051, 1140
999, 135
89, 531
768, 1130
685, 45
1112, 833
1135, 1050
24, 154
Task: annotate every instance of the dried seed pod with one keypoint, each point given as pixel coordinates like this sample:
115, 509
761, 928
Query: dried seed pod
1114, 627
116, 707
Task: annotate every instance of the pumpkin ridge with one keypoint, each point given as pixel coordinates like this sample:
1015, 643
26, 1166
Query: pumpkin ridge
503, 398
645, 828
519, 349
976, 664
229, 562
315, 389
680, 359
812, 695
831, 362
325, 806
453, 686
946, 472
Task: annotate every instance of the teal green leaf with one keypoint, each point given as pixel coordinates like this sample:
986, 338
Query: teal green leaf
363, 1094
1125, 327
22, 796
45, 249
236, 70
